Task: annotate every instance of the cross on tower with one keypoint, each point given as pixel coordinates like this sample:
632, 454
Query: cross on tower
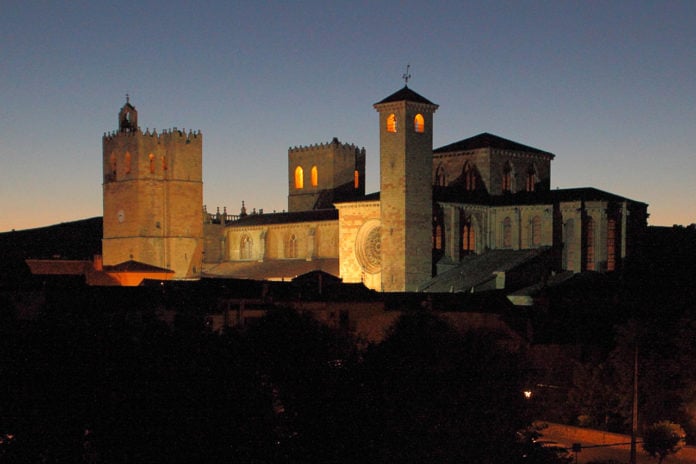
406, 75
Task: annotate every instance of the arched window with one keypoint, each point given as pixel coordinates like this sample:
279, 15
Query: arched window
356, 179
315, 176
128, 162
245, 247
152, 163
391, 123
531, 178
589, 244
437, 237
299, 177
468, 238
469, 177
164, 162
440, 177
291, 247
113, 166
419, 123
611, 244
507, 177
536, 231
507, 232
569, 246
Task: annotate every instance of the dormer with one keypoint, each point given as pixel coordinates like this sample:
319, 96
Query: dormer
128, 118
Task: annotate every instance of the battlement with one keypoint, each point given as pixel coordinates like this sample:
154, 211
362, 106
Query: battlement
165, 136
335, 143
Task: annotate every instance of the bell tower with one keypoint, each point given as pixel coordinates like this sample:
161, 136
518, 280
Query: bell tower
153, 197
406, 164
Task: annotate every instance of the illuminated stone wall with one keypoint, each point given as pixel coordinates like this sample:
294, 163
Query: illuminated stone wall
153, 195
359, 248
335, 164
405, 195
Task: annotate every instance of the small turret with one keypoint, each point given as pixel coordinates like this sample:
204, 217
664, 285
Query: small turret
128, 117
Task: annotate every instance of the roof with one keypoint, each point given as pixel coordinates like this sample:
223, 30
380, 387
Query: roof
547, 197
405, 94
274, 269
477, 270
286, 218
57, 266
487, 140
136, 266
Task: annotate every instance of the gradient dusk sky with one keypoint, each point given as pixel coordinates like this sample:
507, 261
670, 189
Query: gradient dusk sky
607, 86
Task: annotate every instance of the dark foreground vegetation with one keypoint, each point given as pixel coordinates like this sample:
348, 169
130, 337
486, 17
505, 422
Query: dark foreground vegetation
83, 385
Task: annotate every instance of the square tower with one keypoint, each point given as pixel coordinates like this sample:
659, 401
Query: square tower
406, 163
322, 174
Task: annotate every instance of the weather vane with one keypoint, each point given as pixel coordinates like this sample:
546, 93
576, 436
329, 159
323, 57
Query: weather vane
406, 75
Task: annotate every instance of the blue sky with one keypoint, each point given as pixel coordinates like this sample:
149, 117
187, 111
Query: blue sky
608, 86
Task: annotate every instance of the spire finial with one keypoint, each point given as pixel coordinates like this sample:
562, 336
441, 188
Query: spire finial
127, 99
406, 76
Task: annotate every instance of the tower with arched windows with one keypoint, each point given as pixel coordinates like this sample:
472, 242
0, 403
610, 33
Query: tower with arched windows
406, 166
322, 174
153, 194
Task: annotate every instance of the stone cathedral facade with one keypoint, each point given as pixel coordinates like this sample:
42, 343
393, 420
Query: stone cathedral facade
461, 217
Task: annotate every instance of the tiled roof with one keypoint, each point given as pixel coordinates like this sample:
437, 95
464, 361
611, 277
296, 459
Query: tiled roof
57, 266
405, 94
539, 197
476, 270
486, 140
135, 266
274, 269
286, 218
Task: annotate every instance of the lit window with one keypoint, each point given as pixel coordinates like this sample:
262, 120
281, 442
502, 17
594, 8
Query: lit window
299, 178
507, 233
315, 176
391, 123
437, 239
356, 179
468, 238
536, 231
128, 162
152, 163
291, 247
419, 123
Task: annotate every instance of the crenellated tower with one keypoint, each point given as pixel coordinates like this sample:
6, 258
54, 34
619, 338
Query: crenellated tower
322, 174
153, 194
406, 163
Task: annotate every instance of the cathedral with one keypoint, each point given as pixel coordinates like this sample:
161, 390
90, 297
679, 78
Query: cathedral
472, 215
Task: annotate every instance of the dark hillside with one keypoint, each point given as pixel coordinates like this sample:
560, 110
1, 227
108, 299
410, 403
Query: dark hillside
68, 240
